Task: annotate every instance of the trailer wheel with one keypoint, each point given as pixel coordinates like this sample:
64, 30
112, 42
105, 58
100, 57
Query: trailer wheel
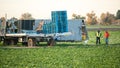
13, 42
51, 42
30, 42
6, 42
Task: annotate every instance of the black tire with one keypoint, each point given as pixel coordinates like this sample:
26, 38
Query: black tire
51, 42
6, 42
30, 42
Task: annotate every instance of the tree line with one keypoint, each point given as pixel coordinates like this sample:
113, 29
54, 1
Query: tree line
90, 19
24, 16
105, 18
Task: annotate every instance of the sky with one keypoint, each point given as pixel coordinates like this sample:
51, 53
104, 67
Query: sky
41, 9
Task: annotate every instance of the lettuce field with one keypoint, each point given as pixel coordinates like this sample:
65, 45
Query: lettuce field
65, 54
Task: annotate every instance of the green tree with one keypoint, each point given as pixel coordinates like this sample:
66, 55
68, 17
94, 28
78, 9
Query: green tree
91, 18
118, 14
75, 16
26, 16
107, 18
3, 21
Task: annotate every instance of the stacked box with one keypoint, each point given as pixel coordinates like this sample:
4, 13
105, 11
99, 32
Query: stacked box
49, 28
59, 18
59, 23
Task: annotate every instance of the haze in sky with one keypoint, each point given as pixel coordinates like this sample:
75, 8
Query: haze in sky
41, 9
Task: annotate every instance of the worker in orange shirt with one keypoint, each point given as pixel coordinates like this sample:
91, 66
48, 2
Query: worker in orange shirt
106, 35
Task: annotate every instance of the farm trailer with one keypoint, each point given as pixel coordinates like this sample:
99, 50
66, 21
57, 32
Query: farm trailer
22, 31
76, 32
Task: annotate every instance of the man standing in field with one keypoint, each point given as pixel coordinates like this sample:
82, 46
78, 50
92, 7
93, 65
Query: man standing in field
98, 35
106, 35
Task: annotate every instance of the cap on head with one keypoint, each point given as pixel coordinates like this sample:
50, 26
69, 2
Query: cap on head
98, 30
